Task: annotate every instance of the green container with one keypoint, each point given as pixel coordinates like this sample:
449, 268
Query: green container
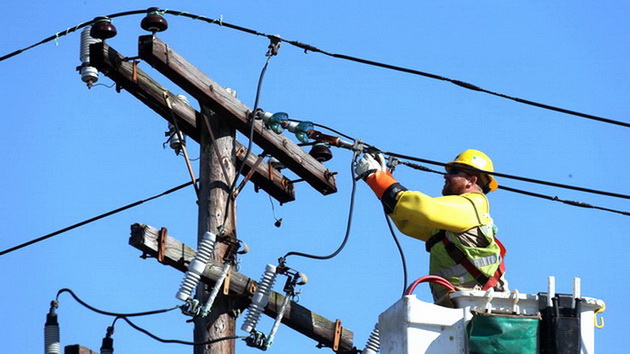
495, 333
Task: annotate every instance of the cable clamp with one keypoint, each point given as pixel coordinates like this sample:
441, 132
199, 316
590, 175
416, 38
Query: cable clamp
392, 162
192, 307
274, 46
358, 146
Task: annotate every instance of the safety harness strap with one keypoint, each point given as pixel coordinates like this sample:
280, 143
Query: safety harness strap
459, 257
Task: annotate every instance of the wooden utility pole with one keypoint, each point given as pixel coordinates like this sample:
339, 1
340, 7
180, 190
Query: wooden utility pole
214, 129
216, 173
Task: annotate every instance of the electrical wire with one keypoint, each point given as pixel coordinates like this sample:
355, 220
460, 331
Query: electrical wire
525, 179
468, 86
278, 222
308, 47
124, 316
503, 187
400, 250
252, 121
107, 313
531, 194
569, 202
348, 226
177, 341
85, 222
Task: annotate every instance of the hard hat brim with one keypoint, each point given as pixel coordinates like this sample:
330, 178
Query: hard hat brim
493, 185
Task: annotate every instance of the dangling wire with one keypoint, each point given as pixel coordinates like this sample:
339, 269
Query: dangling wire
402, 254
252, 119
349, 224
278, 222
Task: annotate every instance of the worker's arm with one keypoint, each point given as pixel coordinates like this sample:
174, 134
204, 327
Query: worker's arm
453, 212
418, 215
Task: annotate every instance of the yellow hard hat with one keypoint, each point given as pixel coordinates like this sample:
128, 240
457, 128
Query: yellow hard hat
478, 160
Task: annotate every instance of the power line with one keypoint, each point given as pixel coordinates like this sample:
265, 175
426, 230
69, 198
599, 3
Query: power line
524, 179
85, 222
124, 316
463, 84
107, 313
308, 47
569, 202
531, 194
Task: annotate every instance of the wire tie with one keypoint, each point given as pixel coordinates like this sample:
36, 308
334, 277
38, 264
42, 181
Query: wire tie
57, 39
220, 20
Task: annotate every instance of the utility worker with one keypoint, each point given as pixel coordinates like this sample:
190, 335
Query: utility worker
457, 226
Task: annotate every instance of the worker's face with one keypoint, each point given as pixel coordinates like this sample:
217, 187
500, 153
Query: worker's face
456, 182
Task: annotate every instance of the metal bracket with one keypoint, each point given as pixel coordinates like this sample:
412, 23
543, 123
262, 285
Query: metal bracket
134, 71
251, 289
337, 338
392, 162
161, 244
226, 282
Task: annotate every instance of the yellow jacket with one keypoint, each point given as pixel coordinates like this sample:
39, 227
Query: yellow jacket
420, 216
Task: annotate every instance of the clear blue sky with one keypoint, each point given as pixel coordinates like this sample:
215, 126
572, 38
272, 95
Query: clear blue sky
69, 153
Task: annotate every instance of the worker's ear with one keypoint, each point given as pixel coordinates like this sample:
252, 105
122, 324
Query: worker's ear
472, 179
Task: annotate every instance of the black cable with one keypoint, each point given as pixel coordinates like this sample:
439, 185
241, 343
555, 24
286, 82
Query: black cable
426, 169
128, 206
68, 31
177, 341
278, 222
402, 254
348, 226
124, 316
532, 194
463, 84
136, 314
525, 179
252, 121
311, 48
569, 202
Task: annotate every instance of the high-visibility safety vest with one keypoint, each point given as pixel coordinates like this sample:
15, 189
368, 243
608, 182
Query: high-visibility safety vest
461, 264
